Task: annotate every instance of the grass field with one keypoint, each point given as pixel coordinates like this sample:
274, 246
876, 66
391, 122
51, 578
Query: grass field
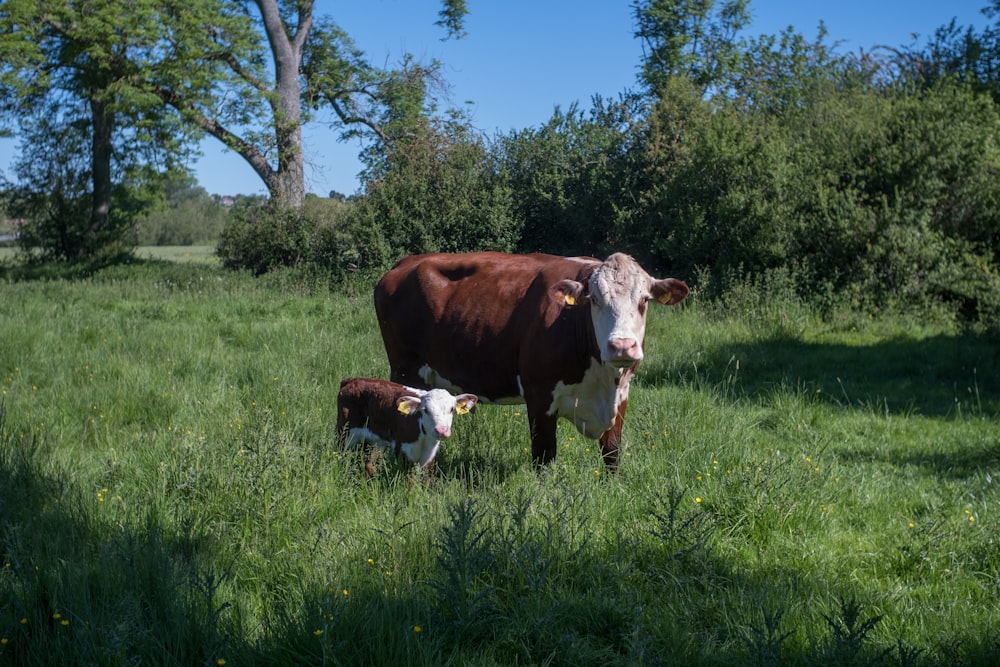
201, 254
796, 490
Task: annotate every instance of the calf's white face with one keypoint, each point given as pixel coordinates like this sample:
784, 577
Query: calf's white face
434, 410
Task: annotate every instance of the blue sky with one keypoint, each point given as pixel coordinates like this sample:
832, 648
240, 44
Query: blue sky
521, 59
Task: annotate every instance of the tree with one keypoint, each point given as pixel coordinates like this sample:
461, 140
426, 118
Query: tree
314, 63
78, 67
572, 177
689, 38
963, 53
144, 66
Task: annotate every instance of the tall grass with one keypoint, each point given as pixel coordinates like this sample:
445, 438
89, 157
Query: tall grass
796, 490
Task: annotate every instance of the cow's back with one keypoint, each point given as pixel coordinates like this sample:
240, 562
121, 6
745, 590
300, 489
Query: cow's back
459, 321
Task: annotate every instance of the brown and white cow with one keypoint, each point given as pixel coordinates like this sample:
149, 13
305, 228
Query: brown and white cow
386, 415
563, 335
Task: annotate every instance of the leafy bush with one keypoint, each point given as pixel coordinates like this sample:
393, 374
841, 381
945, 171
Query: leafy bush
435, 192
571, 178
263, 238
319, 237
710, 189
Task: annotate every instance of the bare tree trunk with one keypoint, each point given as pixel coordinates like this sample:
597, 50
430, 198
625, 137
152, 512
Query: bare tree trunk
287, 184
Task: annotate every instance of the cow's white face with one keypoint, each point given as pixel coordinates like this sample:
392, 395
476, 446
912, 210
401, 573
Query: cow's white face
619, 291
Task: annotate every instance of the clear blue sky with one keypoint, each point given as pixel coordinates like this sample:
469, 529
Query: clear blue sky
521, 59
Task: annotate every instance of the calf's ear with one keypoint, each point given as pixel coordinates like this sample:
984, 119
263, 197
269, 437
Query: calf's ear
569, 291
407, 404
669, 291
466, 403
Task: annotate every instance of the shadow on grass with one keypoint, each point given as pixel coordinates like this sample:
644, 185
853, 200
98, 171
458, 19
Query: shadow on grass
935, 377
75, 589
119, 266
971, 462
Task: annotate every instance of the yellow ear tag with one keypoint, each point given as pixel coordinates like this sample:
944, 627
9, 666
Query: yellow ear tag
570, 301
664, 298
403, 407
461, 409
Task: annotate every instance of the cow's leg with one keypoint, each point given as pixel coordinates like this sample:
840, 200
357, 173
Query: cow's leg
612, 438
543, 434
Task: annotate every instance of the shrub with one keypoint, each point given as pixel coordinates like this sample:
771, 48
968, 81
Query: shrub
261, 238
435, 191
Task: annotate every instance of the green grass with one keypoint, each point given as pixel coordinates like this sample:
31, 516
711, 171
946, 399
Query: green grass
796, 490
201, 254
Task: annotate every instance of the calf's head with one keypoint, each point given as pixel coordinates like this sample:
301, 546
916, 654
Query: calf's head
618, 292
435, 410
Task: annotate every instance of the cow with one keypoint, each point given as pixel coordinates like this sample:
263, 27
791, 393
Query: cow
563, 335
386, 415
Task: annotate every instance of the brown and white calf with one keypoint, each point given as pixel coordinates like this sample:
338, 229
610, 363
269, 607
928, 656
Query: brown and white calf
386, 415
564, 335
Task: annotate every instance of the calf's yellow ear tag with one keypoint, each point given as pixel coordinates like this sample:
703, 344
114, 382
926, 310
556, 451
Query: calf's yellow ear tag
664, 298
570, 301
461, 409
403, 407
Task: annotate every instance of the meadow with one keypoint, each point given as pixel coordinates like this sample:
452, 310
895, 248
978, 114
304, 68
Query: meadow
797, 489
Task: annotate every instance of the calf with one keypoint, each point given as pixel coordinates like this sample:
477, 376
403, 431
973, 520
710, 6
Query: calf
385, 414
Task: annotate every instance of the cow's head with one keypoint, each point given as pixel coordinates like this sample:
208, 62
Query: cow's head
618, 291
435, 409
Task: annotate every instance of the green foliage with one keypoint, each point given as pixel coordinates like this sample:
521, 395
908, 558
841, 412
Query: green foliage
452, 17
435, 192
849, 635
465, 554
899, 193
55, 199
713, 199
260, 238
92, 133
778, 155
571, 177
954, 51
692, 39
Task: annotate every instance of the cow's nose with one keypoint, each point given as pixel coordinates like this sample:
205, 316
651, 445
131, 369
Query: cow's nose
443, 431
624, 349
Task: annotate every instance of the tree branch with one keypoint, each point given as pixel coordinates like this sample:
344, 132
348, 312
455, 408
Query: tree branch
243, 148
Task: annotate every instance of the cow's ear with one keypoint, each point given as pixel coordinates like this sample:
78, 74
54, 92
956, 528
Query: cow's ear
570, 292
466, 403
669, 291
407, 404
